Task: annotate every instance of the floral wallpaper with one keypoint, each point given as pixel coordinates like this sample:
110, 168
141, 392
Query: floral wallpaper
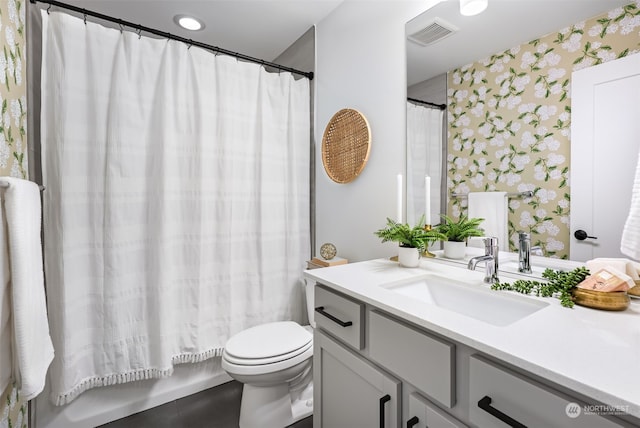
13, 411
13, 89
510, 118
13, 144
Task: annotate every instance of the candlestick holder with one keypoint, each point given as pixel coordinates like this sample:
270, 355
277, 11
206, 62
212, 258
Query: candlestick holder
426, 253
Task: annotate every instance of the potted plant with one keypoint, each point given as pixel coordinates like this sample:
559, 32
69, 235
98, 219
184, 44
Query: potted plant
412, 241
456, 234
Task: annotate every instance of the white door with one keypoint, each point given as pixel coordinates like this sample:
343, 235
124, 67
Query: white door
605, 139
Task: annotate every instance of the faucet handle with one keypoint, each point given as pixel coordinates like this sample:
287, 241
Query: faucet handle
490, 240
490, 243
524, 235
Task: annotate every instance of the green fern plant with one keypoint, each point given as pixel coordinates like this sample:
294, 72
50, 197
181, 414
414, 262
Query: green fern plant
460, 230
407, 236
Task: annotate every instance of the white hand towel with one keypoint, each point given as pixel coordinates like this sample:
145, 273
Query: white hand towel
492, 207
630, 241
32, 347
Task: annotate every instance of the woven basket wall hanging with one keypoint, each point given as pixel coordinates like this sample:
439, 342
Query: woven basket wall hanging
345, 145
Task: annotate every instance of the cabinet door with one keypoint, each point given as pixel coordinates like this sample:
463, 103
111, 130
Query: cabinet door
349, 391
423, 414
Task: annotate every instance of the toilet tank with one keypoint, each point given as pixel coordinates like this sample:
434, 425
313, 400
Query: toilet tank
309, 287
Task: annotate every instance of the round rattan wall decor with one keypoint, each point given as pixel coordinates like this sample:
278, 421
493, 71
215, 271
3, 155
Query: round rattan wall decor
345, 145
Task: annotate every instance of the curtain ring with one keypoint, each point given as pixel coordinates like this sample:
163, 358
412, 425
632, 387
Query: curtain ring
85, 19
139, 33
189, 44
121, 27
48, 8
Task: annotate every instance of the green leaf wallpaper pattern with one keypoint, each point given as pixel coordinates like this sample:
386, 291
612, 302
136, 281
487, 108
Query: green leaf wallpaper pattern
510, 119
13, 89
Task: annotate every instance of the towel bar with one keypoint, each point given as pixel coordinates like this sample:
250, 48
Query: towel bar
527, 194
5, 185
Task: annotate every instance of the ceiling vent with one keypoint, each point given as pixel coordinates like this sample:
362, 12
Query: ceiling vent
436, 30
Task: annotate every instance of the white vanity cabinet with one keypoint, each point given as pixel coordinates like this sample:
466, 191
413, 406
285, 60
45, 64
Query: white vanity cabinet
374, 369
364, 389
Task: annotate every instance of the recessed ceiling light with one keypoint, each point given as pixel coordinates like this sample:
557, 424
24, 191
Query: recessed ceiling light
472, 7
188, 22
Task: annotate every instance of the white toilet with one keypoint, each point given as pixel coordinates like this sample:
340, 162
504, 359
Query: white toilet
273, 361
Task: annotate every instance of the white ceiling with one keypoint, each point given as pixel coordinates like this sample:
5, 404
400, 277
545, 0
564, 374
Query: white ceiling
265, 28
259, 28
503, 25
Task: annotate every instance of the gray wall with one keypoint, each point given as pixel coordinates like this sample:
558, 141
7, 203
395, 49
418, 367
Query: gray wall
433, 90
301, 55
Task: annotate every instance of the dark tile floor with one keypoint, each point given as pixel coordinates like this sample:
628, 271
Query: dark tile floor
217, 407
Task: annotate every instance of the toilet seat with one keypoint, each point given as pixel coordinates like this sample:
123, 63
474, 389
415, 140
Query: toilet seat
267, 348
269, 360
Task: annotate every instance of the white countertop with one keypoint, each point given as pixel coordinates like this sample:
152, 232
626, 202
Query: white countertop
593, 352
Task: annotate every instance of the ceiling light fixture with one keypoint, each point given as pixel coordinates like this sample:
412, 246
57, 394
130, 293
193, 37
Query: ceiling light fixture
472, 7
188, 22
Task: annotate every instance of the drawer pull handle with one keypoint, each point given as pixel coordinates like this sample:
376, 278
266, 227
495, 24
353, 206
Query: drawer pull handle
320, 310
383, 401
485, 404
412, 422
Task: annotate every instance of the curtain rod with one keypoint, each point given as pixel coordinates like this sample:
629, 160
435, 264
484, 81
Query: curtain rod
139, 28
438, 106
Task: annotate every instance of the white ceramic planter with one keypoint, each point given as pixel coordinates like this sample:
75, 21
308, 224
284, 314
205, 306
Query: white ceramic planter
408, 257
454, 250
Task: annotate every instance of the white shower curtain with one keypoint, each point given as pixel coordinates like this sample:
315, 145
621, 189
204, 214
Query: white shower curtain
424, 157
177, 202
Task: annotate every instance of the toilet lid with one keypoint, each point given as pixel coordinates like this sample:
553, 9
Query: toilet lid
268, 340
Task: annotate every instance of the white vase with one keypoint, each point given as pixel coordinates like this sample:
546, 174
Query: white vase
408, 256
454, 250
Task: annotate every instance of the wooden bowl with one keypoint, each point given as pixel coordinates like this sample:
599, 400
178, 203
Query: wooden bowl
634, 291
613, 301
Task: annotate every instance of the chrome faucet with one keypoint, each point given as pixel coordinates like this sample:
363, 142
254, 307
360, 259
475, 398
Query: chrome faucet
524, 252
490, 258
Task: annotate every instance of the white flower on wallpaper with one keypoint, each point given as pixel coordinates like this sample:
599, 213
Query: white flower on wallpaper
509, 118
5, 153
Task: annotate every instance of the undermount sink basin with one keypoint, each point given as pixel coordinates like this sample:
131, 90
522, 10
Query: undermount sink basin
471, 299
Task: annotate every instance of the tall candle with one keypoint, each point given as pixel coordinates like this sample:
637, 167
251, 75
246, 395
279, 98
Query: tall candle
427, 199
399, 200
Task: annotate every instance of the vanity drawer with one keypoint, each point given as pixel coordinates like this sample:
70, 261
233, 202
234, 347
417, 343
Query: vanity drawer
340, 316
426, 361
510, 395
